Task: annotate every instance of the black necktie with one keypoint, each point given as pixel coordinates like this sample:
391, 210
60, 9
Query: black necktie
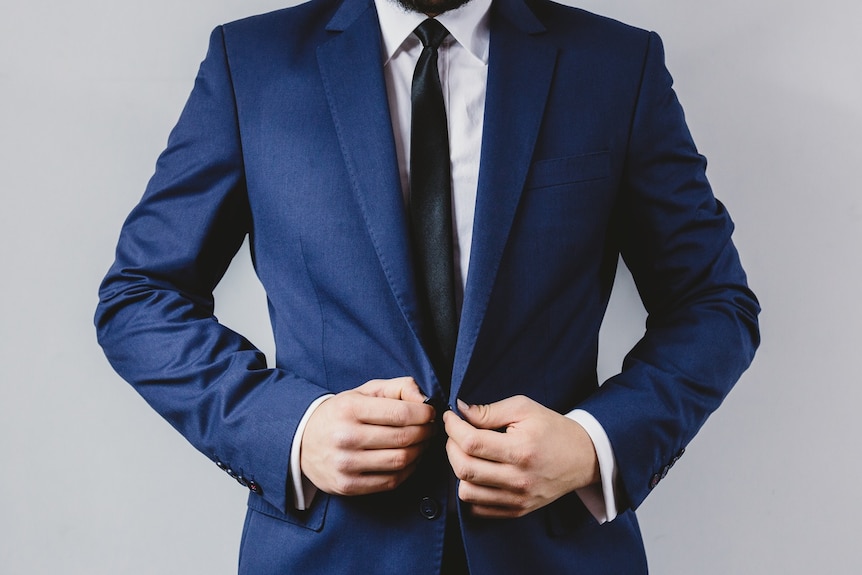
431, 204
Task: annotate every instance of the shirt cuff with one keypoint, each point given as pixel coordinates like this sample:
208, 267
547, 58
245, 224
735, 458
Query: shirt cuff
599, 499
303, 489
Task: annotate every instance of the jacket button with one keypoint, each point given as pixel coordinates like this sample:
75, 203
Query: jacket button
254, 487
429, 508
654, 481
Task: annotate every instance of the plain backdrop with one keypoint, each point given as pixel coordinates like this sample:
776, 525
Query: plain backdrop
93, 482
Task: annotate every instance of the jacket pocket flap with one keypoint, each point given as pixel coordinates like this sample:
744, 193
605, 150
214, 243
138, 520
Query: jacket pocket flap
311, 518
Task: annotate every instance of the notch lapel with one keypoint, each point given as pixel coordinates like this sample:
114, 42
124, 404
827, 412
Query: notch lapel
351, 68
520, 69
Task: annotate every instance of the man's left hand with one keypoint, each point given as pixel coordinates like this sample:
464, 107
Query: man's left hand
515, 456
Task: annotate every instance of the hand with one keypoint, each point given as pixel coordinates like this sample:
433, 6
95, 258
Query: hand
541, 456
366, 439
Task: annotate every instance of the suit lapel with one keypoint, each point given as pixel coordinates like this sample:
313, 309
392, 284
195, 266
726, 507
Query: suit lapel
520, 68
351, 67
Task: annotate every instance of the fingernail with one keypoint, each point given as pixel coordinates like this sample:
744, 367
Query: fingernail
462, 406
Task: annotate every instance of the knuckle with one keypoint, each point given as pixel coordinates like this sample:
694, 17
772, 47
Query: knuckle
399, 459
395, 480
472, 444
396, 416
345, 407
465, 493
403, 438
520, 511
521, 485
462, 471
484, 411
523, 457
345, 485
344, 438
343, 462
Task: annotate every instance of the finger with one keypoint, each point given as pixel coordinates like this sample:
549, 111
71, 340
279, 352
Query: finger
497, 415
483, 496
403, 388
366, 483
363, 436
385, 460
491, 512
481, 443
479, 471
392, 412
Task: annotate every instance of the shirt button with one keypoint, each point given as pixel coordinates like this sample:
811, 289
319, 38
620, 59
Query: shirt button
429, 508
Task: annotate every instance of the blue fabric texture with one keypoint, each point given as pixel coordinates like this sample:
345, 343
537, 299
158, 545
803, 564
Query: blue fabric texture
286, 138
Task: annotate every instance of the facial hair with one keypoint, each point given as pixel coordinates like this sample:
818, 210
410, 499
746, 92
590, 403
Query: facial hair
431, 7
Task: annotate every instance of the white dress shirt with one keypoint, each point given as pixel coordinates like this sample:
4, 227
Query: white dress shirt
463, 67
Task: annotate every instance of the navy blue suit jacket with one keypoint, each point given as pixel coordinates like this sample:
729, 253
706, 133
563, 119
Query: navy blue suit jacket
286, 138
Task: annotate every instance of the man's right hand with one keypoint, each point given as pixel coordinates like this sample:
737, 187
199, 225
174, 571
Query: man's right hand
366, 439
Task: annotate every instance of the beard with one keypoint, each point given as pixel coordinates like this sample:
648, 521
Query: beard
430, 7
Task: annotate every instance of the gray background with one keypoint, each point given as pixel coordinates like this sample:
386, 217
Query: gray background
93, 482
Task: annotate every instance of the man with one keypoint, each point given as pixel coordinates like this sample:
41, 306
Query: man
434, 405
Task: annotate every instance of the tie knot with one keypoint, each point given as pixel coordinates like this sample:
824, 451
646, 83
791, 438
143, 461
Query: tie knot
431, 33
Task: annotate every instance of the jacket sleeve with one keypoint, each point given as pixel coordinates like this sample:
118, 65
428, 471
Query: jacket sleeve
155, 316
702, 332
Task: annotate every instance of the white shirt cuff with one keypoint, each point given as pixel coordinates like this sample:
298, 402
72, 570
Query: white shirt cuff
303, 489
599, 499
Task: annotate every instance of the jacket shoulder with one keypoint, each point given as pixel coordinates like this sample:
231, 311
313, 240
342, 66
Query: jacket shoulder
569, 25
299, 22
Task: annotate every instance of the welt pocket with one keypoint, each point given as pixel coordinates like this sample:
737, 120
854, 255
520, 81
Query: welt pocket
569, 170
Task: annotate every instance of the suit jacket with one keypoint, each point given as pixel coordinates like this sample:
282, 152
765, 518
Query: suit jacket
287, 137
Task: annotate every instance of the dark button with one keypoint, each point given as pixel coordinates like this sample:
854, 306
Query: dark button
654, 481
241, 480
230, 472
220, 465
439, 406
254, 487
664, 471
429, 508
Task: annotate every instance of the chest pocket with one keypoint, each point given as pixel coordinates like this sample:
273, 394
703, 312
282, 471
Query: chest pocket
569, 170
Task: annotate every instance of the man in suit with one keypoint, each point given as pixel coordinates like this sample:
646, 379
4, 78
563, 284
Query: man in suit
382, 442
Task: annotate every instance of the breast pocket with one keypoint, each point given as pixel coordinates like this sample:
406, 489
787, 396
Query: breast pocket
569, 170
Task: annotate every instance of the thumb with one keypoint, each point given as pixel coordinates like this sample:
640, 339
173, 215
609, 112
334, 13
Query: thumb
498, 415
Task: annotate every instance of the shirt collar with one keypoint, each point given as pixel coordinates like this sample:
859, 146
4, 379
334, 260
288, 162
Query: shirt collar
468, 25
